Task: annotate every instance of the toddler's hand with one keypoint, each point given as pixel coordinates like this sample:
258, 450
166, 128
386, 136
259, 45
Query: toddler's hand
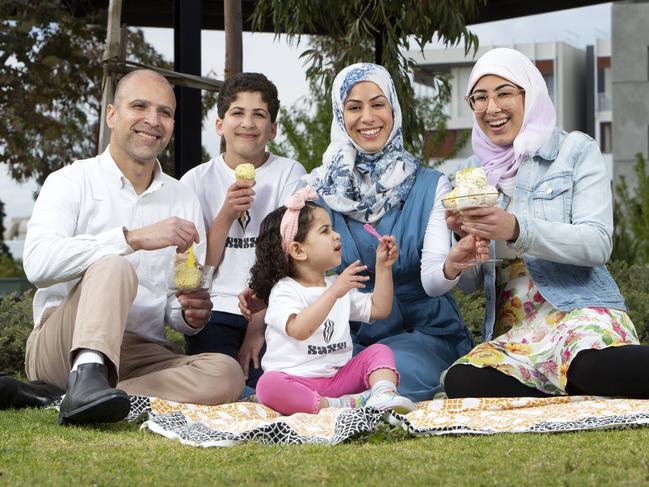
349, 279
387, 252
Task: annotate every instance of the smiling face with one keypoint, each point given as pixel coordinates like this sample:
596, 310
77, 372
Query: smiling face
247, 127
142, 118
368, 116
500, 125
321, 246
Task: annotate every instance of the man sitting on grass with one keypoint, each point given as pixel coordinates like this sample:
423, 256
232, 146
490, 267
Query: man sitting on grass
101, 234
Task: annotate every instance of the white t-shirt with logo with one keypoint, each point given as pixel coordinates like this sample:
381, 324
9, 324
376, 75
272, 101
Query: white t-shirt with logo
277, 179
329, 348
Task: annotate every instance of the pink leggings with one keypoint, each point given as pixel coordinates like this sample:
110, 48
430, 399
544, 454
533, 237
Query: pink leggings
289, 394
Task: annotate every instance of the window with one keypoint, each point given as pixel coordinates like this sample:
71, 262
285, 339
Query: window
549, 81
605, 138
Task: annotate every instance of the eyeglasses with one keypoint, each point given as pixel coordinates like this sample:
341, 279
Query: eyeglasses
505, 99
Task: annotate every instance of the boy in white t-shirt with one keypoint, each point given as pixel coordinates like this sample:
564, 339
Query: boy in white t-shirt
233, 209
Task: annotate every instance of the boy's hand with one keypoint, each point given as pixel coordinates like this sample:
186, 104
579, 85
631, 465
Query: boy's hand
387, 252
239, 198
249, 303
252, 344
349, 279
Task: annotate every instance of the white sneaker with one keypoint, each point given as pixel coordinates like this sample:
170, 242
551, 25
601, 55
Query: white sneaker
398, 404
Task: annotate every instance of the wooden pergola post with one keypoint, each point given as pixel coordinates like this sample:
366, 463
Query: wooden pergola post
233, 26
112, 51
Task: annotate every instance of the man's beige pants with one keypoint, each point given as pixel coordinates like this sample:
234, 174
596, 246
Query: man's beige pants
94, 315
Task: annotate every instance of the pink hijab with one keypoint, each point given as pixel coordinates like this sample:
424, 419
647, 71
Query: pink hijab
501, 163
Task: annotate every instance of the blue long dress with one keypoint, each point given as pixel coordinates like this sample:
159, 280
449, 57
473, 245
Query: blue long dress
425, 333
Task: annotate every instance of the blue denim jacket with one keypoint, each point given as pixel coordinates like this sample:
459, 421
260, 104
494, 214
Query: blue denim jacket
564, 208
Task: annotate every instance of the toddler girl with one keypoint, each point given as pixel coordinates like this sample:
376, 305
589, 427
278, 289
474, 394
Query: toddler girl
308, 363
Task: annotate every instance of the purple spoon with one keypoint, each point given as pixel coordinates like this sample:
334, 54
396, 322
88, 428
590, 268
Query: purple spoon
370, 229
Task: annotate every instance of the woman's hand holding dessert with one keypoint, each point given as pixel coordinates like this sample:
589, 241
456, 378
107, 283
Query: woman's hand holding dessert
468, 252
491, 223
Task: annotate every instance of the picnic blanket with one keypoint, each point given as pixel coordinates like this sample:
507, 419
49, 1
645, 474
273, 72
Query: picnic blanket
229, 424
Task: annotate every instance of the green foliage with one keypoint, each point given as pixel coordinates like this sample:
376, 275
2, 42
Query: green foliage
472, 309
10, 268
51, 76
16, 323
305, 134
631, 214
4, 250
378, 31
434, 117
633, 281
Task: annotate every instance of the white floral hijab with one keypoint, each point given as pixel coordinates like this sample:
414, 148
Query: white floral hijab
361, 185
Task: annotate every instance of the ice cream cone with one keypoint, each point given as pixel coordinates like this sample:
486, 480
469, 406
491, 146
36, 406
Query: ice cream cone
244, 172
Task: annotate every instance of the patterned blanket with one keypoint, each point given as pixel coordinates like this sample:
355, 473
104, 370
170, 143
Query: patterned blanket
229, 424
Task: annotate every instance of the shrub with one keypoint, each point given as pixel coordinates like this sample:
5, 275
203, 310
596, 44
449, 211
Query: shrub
631, 215
10, 268
472, 310
16, 323
633, 281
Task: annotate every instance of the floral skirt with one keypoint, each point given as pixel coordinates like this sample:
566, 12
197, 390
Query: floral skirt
535, 343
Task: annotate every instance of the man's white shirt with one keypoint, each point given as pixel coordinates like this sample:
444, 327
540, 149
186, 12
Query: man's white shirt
79, 217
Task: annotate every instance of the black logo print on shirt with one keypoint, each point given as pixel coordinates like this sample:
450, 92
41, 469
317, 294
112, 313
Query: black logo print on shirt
328, 330
244, 220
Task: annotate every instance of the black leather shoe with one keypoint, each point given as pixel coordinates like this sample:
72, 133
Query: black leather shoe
90, 399
16, 394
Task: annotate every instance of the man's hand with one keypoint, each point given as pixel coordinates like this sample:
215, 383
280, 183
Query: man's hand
197, 307
349, 279
172, 232
252, 343
239, 198
250, 304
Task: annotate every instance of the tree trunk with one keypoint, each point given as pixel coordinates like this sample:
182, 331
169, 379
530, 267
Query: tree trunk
113, 41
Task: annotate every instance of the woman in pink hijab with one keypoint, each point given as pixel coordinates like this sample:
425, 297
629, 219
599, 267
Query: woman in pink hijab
555, 321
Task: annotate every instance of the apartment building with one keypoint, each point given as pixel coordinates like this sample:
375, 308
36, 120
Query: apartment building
630, 85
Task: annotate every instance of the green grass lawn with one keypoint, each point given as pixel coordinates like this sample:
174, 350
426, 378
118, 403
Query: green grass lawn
34, 450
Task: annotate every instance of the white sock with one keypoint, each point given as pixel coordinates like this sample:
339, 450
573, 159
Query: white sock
384, 386
87, 356
348, 400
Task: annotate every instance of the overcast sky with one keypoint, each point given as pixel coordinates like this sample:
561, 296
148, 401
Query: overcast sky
281, 63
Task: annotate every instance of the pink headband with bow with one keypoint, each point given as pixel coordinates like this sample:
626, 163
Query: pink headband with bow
294, 203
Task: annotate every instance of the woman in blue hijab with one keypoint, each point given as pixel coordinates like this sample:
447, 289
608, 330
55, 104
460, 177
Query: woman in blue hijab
367, 177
